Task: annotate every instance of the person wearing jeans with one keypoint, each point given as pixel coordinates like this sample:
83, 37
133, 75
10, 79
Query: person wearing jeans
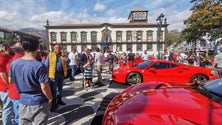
99, 62
7, 104
12, 92
31, 80
7, 108
57, 70
72, 63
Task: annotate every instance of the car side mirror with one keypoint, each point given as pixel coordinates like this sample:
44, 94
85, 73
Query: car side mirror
152, 69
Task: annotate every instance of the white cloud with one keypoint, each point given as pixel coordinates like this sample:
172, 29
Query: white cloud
9, 19
176, 20
99, 7
110, 12
54, 17
6, 16
174, 17
34, 13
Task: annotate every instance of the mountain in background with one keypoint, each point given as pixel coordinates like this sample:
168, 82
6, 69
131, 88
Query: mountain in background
37, 32
33, 31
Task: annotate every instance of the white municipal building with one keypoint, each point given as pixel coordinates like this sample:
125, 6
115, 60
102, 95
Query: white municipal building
138, 35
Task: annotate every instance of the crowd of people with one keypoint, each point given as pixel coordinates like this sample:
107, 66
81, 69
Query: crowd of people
191, 58
31, 81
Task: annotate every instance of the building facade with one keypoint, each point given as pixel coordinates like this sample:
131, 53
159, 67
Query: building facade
137, 35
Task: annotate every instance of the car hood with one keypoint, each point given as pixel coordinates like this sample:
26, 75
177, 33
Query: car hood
167, 105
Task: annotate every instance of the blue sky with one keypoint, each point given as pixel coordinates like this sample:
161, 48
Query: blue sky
16, 14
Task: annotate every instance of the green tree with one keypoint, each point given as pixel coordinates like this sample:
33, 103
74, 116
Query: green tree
173, 37
206, 15
10, 38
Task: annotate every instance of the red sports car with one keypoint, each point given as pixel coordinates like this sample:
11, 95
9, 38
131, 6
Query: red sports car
162, 104
161, 71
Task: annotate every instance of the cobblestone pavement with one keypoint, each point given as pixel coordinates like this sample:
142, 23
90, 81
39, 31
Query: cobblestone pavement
85, 107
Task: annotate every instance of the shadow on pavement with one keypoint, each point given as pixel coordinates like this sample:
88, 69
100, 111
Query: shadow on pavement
97, 120
118, 85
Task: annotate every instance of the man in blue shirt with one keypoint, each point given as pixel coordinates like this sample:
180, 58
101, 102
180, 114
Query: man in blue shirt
31, 80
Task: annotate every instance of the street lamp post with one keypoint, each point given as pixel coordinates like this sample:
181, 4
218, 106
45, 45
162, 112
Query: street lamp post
105, 39
159, 25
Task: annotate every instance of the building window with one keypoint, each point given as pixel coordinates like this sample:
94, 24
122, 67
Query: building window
63, 36
139, 47
119, 36
120, 47
93, 36
73, 47
111, 48
149, 36
73, 37
129, 47
149, 47
53, 36
94, 47
83, 46
64, 49
83, 37
139, 35
128, 36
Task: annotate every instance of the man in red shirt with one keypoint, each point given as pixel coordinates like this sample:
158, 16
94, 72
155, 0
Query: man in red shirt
12, 92
7, 105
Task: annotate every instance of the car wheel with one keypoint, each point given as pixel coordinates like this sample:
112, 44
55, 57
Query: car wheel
199, 78
134, 78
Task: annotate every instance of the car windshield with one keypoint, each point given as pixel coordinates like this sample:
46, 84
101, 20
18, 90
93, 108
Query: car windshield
143, 64
214, 86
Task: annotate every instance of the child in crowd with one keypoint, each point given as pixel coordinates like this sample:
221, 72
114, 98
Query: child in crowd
87, 75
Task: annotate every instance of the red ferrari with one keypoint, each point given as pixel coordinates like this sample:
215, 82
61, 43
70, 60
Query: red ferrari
162, 71
162, 104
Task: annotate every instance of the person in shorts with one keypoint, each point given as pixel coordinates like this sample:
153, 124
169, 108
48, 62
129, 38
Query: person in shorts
87, 75
31, 80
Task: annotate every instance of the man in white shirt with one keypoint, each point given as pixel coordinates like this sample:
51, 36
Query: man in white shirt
217, 63
145, 55
99, 62
72, 63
